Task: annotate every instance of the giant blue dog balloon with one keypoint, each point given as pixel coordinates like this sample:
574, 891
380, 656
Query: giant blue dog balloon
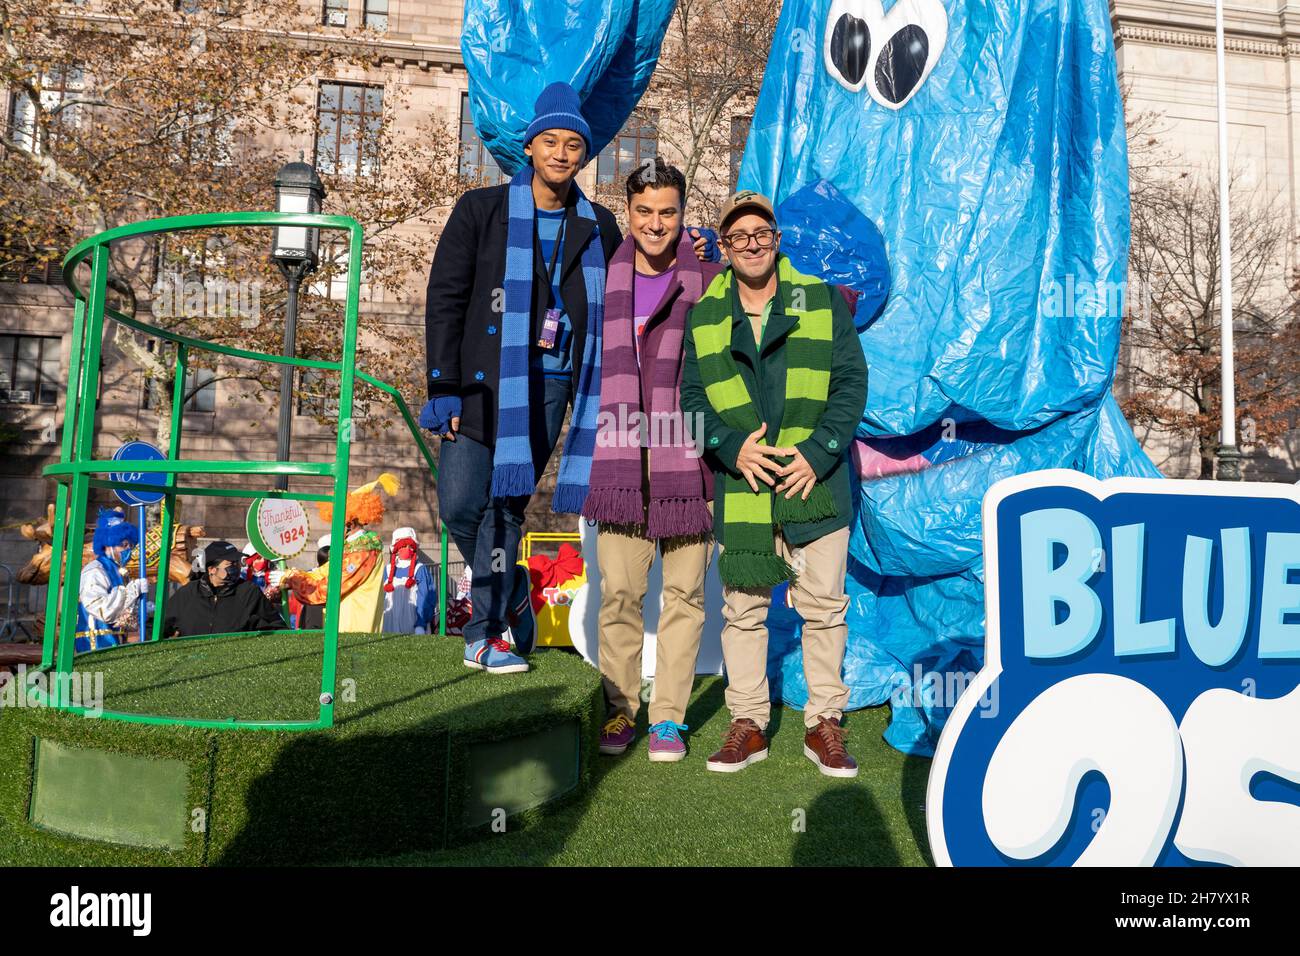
961, 164
982, 144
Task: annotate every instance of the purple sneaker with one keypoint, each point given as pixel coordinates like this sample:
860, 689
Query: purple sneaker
666, 742
616, 735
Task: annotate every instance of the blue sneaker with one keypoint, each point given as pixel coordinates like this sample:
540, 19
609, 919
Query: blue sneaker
520, 618
492, 654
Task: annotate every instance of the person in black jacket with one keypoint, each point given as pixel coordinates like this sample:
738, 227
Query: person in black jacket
465, 317
465, 312
218, 601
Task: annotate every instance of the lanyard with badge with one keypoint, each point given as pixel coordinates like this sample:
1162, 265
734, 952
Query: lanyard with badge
551, 323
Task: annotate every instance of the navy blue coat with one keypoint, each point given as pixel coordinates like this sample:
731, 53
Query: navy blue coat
462, 307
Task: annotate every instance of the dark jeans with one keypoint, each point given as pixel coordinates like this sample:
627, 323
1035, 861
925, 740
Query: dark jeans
488, 530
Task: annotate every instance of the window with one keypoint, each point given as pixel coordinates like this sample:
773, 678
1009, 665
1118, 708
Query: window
317, 396
55, 86
334, 260
334, 13
635, 143
475, 160
204, 137
739, 133
200, 390
203, 263
25, 267
29, 369
348, 118
191, 7
376, 15
200, 384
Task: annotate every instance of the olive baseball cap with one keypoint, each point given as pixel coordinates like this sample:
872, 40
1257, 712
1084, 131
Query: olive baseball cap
745, 201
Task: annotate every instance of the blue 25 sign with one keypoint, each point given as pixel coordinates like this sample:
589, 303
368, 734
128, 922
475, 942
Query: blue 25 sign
1145, 637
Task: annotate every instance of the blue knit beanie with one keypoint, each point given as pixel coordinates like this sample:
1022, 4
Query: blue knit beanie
558, 107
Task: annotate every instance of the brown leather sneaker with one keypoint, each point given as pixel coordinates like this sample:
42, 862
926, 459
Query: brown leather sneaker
824, 746
743, 745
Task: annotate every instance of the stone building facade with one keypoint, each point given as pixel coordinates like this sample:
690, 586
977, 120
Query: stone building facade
1166, 54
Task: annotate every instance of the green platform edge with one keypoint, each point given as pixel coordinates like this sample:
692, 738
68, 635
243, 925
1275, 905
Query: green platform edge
355, 792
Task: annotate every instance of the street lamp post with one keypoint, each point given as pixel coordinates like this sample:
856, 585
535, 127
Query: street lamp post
1228, 455
295, 251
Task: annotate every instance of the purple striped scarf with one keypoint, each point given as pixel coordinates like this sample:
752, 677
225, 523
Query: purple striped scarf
680, 484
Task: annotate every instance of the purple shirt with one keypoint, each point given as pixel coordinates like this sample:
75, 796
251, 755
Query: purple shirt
647, 293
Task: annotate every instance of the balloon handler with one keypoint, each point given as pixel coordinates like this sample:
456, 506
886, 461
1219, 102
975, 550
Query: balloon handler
361, 605
109, 606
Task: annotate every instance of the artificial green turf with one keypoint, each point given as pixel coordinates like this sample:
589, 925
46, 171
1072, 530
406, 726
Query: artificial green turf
634, 812
638, 813
390, 776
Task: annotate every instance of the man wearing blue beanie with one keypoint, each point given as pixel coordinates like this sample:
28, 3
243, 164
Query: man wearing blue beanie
513, 318
509, 292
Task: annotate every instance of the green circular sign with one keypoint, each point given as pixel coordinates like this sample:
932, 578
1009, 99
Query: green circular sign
278, 527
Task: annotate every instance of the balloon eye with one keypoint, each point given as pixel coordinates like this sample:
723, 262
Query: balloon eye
891, 69
850, 48
902, 63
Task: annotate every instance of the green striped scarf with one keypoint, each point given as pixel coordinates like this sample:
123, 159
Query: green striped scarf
749, 558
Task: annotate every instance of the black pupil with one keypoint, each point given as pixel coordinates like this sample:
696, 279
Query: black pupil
850, 47
901, 63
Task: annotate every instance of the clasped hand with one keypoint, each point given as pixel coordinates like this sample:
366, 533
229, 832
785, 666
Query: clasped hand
758, 462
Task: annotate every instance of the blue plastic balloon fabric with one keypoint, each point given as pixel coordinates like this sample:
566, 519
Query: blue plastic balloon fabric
982, 145
606, 49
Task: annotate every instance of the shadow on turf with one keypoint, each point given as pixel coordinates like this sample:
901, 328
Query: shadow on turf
916, 775
339, 799
844, 827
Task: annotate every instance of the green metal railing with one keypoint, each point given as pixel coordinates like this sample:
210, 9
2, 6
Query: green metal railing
77, 467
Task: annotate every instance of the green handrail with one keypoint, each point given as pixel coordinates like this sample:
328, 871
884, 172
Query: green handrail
77, 466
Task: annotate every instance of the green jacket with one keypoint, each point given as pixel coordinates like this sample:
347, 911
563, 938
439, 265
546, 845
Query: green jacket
828, 446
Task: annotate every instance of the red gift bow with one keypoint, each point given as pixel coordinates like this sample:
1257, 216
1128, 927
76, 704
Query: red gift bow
547, 572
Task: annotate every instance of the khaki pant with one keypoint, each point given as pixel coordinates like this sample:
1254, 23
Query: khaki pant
624, 562
818, 596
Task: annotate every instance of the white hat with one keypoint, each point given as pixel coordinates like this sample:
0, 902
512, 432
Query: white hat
323, 542
401, 533
249, 549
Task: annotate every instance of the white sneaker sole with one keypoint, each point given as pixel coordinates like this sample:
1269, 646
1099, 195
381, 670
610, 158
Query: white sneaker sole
733, 767
828, 771
503, 669
661, 757
614, 751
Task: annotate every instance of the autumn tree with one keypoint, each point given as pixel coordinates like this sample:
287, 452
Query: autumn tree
1172, 327
135, 109
710, 68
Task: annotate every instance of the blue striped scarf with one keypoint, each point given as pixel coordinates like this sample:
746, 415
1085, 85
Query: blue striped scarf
512, 461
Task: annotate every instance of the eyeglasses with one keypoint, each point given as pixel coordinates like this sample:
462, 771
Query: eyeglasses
763, 239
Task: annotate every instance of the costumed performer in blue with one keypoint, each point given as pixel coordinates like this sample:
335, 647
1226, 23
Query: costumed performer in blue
108, 610
410, 594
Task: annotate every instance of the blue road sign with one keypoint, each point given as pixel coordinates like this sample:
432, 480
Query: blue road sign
139, 451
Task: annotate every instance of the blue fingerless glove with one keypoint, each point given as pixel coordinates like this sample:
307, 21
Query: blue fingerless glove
437, 413
711, 251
